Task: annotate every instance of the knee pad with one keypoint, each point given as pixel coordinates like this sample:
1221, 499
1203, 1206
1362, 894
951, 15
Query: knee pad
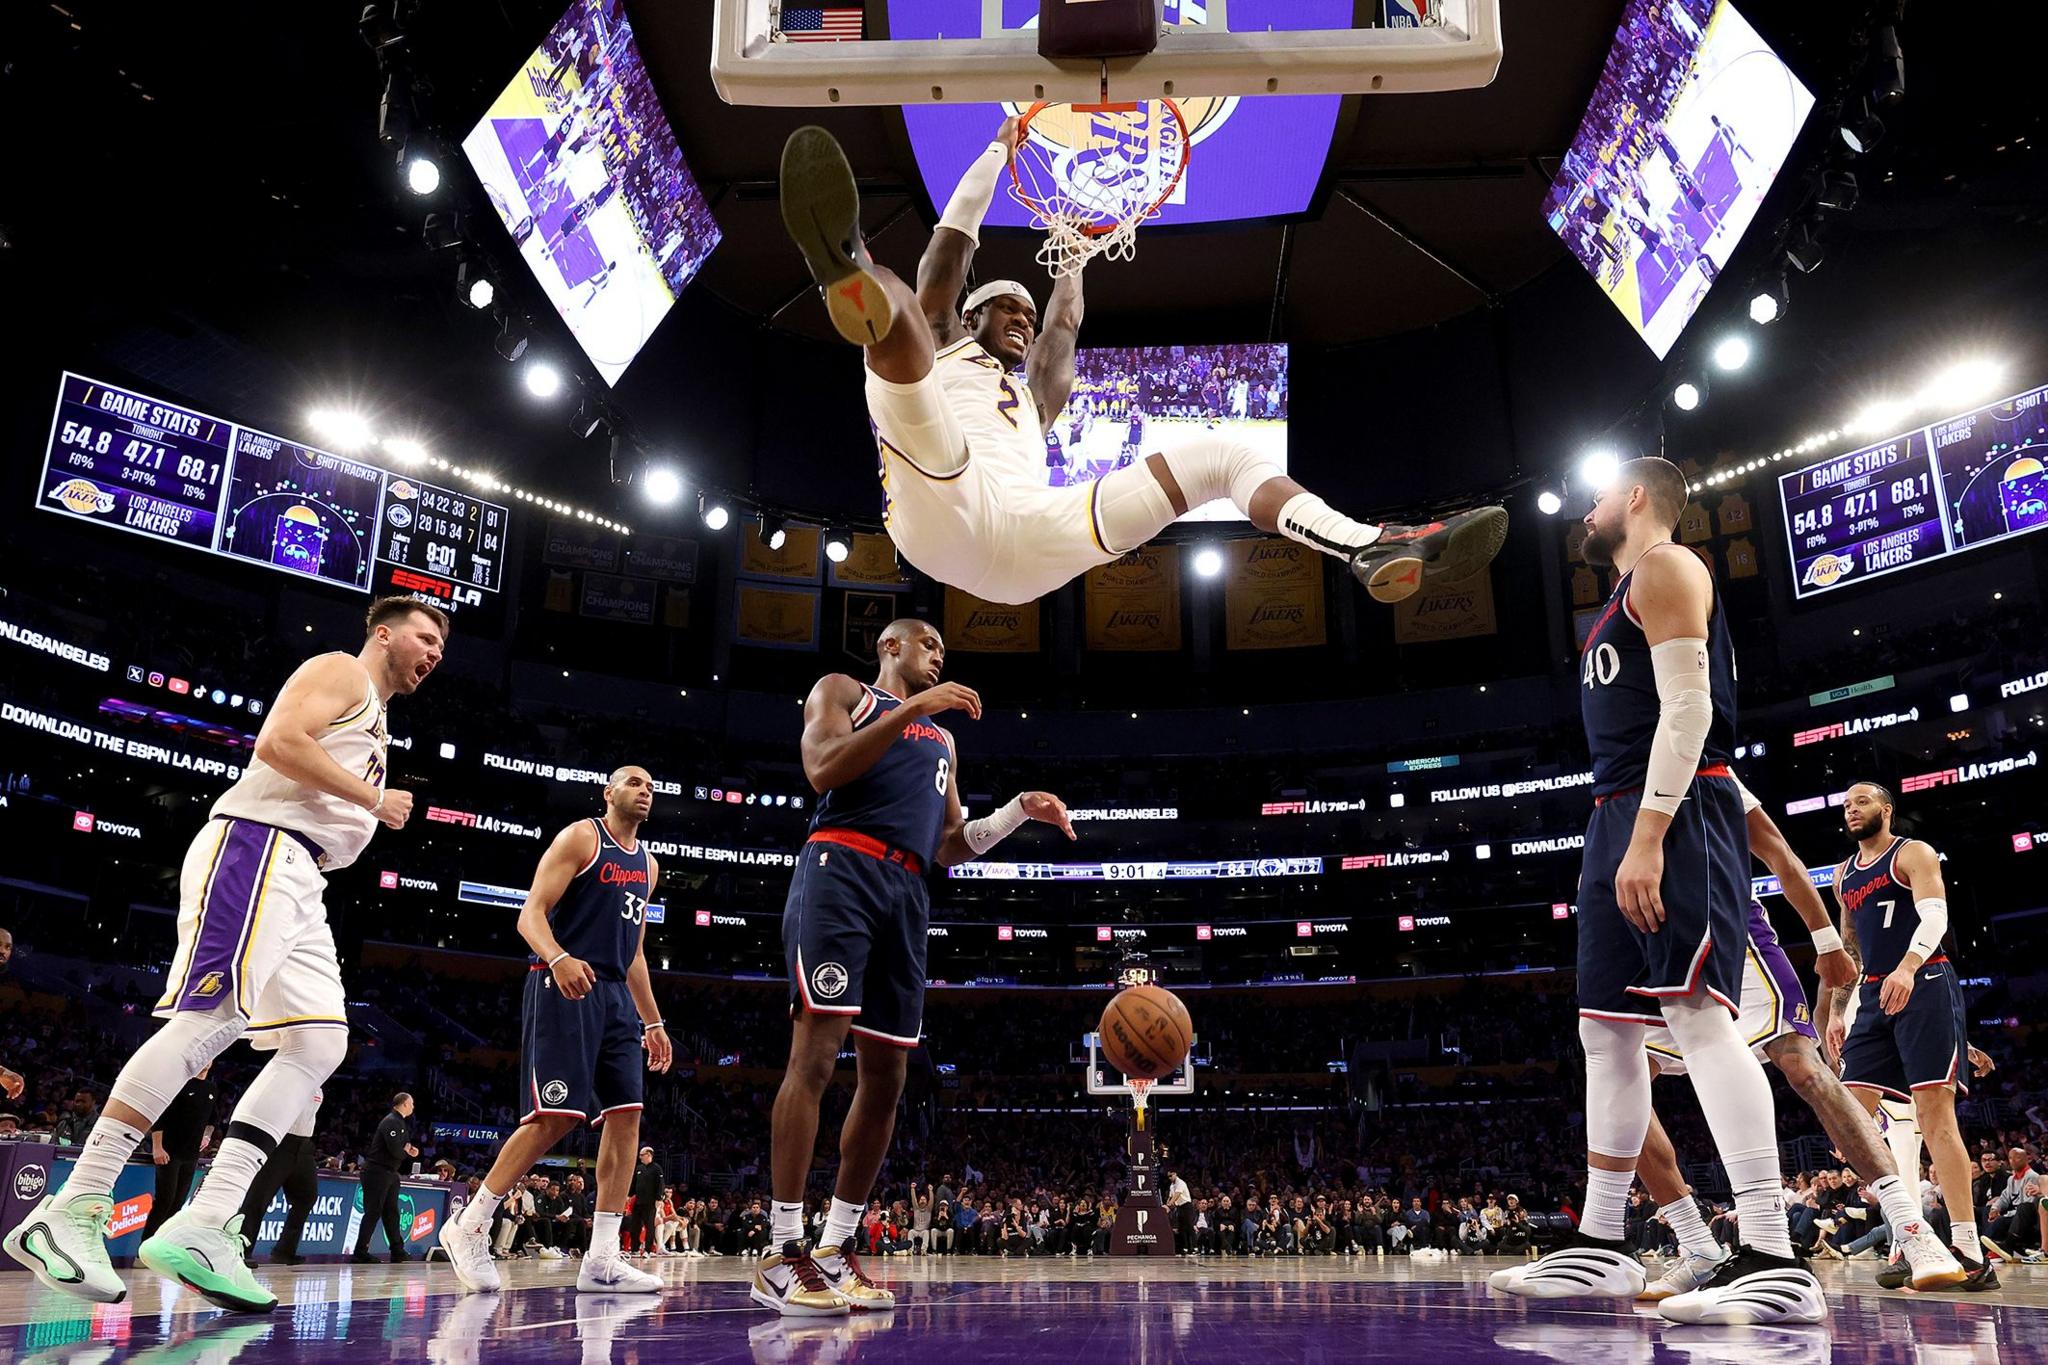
319, 1052
173, 1055
1131, 507
1219, 468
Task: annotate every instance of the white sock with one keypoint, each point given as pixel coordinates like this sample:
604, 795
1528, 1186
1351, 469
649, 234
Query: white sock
1963, 1236
1308, 519
476, 1215
1735, 1096
1606, 1213
786, 1222
1690, 1228
1901, 1205
604, 1234
840, 1223
227, 1183
107, 1149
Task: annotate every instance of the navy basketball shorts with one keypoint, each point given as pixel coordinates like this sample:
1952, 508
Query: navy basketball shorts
579, 1057
853, 939
1624, 973
1920, 1047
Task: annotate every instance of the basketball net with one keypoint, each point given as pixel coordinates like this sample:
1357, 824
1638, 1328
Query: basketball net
1138, 1092
1091, 174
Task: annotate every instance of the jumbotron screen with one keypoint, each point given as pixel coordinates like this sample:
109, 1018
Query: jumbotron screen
1689, 125
583, 169
1130, 400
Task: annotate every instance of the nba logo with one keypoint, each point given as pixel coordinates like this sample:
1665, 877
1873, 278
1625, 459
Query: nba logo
387, 881
1302, 928
1102, 934
703, 919
82, 821
1004, 933
1404, 13
1202, 933
1560, 912
1407, 924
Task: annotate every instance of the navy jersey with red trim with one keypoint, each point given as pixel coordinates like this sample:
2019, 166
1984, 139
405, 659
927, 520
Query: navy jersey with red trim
598, 918
1619, 696
902, 799
1879, 902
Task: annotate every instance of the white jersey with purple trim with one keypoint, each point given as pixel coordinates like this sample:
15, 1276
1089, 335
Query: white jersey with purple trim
359, 742
996, 412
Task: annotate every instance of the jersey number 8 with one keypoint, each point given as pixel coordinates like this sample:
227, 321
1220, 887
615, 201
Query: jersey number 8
939, 778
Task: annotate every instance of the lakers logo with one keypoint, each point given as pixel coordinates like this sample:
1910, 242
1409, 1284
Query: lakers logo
1829, 570
82, 496
209, 985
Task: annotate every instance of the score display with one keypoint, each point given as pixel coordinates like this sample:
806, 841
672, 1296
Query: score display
1954, 485
158, 469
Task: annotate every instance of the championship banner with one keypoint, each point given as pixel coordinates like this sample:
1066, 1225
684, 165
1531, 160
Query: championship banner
796, 561
1272, 594
865, 616
870, 563
575, 545
669, 558
1134, 603
977, 627
1447, 611
561, 591
777, 618
611, 598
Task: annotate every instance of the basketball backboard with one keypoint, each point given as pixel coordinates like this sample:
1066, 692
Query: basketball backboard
764, 52
1180, 1082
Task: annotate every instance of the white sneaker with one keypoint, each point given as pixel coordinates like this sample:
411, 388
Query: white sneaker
611, 1275
550, 1253
1573, 1272
469, 1255
207, 1259
1752, 1288
1687, 1272
1934, 1265
64, 1242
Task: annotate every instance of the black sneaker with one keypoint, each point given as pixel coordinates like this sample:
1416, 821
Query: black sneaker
1752, 1288
1895, 1275
821, 210
1396, 565
1978, 1276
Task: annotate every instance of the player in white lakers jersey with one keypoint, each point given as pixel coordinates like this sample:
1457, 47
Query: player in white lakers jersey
255, 955
962, 432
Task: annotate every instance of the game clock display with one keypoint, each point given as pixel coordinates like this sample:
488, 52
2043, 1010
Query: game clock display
1967, 481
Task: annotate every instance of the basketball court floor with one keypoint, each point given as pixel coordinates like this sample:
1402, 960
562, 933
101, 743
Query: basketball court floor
993, 1311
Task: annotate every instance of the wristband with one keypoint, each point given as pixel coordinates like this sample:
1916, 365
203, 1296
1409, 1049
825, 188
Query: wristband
378, 804
649, 1028
1827, 939
557, 958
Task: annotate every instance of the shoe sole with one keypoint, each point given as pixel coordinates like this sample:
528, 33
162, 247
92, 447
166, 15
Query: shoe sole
821, 213
1940, 1279
175, 1263
792, 1310
1469, 549
16, 1246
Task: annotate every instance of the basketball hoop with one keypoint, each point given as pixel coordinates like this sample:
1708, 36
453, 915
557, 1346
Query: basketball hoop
1091, 174
1139, 1087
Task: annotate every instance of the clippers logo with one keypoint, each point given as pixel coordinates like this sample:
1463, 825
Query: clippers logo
829, 981
83, 497
399, 515
1829, 570
554, 1092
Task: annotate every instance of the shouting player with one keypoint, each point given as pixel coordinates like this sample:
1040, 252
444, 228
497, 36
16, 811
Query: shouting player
1904, 1024
255, 955
1663, 915
961, 438
588, 1014
1776, 1022
853, 936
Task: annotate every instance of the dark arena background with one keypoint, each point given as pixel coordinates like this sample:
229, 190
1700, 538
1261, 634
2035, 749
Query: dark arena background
494, 306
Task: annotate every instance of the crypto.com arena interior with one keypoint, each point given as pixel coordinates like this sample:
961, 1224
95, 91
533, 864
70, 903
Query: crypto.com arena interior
508, 717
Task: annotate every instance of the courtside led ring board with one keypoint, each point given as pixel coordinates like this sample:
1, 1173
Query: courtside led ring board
1974, 479
966, 52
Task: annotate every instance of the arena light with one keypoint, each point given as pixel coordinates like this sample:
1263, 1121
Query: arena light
1208, 561
662, 485
512, 339
1878, 418
1549, 503
1686, 395
404, 449
838, 547
771, 529
1767, 305
473, 285
542, 379
341, 428
1963, 384
715, 513
1862, 130
1959, 703
1731, 352
422, 175
1598, 467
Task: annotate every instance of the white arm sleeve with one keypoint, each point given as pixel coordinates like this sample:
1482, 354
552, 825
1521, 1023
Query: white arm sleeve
1933, 926
1686, 714
984, 834
977, 187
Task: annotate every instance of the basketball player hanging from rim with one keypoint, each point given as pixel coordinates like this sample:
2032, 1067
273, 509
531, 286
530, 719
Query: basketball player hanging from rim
962, 439
853, 938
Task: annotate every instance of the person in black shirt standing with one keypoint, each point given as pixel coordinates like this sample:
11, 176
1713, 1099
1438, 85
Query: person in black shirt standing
181, 1133
290, 1167
388, 1152
646, 1191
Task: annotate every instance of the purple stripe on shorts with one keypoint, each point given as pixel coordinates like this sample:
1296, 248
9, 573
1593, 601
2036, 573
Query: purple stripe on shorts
210, 975
1798, 1016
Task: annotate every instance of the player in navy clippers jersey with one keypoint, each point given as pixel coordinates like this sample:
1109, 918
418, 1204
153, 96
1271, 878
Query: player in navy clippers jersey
1904, 1021
587, 1016
853, 937
1664, 916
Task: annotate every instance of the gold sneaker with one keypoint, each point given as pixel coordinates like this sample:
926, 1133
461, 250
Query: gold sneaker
793, 1285
841, 1269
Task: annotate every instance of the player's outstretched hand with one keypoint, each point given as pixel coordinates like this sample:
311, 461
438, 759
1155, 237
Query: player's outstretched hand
396, 807
574, 978
1049, 808
1896, 990
11, 1083
948, 697
1011, 134
1981, 1064
1637, 884
1836, 969
660, 1052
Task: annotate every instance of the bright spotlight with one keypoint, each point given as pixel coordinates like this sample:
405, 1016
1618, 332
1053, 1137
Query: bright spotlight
716, 515
1732, 353
1959, 386
542, 379
1880, 417
404, 449
1549, 503
837, 547
771, 531
422, 176
1599, 468
474, 286
1208, 561
1686, 396
662, 485
1765, 307
343, 430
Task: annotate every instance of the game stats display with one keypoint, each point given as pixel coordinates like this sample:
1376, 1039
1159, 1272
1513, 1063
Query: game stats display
1934, 491
158, 469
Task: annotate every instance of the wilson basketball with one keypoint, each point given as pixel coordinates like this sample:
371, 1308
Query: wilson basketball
1146, 1032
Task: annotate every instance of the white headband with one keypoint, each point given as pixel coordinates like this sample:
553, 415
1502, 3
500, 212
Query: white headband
994, 289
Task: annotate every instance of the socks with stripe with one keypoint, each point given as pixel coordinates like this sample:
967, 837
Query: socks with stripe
1691, 1229
1308, 519
107, 1149
234, 1170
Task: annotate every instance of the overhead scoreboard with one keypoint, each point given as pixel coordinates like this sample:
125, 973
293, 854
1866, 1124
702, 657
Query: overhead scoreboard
1970, 480
174, 474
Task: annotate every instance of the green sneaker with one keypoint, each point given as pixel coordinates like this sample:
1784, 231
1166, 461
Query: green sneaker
208, 1260
64, 1241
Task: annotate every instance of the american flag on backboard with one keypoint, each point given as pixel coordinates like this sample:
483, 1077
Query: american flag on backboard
829, 24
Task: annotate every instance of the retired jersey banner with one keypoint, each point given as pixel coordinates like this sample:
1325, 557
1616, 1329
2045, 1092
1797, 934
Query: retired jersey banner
797, 560
870, 563
1134, 602
1447, 611
669, 558
611, 598
866, 616
777, 618
977, 627
1272, 594
576, 545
